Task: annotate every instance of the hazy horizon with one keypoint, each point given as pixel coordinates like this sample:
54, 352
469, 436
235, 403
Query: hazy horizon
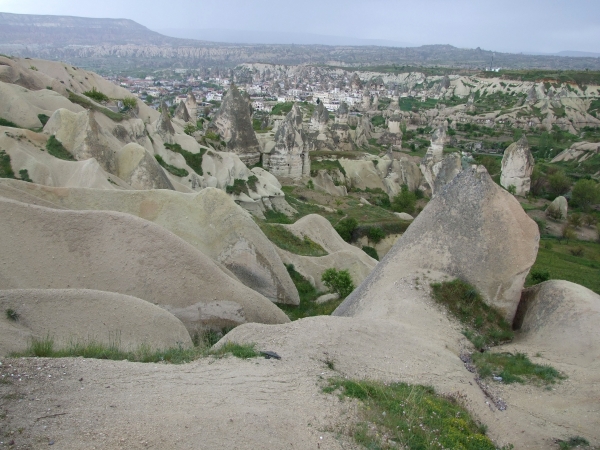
534, 26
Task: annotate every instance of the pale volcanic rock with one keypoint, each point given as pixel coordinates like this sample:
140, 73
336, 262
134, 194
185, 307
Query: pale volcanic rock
182, 113
559, 204
209, 220
163, 126
364, 131
289, 157
139, 169
438, 169
319, 119
80, 316
234, 125
324, 182
473, 230
192, 106
109, 251
517, 167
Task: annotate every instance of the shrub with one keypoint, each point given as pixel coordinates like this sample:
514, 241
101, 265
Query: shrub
585, 194
56, 149
172, 169
6, 170
371, 252
189, 129
129, 103
405, 201
96, 95
575, 220
554, 213
25, 175
378, 121
346, 227
375, 234
43, 119
577, 251
512, 189
338, 281
12, 315
559, 183
568, 233
539, 276
194, 160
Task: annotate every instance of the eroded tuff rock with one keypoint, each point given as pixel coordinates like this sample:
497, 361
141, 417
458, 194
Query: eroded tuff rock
164, 127
438, 169
517, 166
473, 230
289, 157
319, 119
139, 169
558, 207
116, 252
182, 113
234, 124
364, 131
82, 315
192, 106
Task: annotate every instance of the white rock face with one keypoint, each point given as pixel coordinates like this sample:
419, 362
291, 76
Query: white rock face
404, 216
438, 169
473, 230
324, 182
517, 166
289, 157
560, 205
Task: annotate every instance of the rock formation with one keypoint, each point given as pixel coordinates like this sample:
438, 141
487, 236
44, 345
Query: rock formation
319, 119
324, 182
517, 166
79, 316
558, 208
234, 125
438, 169
289, 157
473, 230
139, 169
181, 112
341, 115
164, 127
192, 106
392, 137
364, 132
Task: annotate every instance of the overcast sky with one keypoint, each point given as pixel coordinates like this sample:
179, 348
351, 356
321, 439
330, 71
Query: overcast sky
507, 25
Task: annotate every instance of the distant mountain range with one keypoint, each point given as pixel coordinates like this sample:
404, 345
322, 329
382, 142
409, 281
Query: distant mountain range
107, 44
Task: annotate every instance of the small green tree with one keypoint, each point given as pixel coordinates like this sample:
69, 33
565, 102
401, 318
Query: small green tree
338, 281
585, 194
512, 189
559, 183
189, 129
405, 201
375, 234
129, 103
96, 95
346, 227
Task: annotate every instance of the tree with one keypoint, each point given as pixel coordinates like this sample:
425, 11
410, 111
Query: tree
559, 183
346, 227
585, 194
338, 281
129, 103
405, 201
375, 234
189, 129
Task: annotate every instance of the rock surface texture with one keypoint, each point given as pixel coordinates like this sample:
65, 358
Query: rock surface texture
558, 208
517, 166
438, 169
473, 230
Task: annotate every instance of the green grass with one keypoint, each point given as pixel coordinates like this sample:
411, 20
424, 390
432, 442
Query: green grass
43, 119
514, 368
86, 103
308, 294
272, 216
410, 103
371, 252
96, 95
6, 170
378, 121
281, 109
288, 241
484, 324
326, 164
573, 442
557, 259
56, 149
170, 168
7, 123
92, 349
239, 186
194, 160
399, 415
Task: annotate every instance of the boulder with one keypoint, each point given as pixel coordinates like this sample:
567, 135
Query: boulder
289, 157
560, 318
208, 220
72, 316
404, 216
558, 208
517, 166
234, 125
115, 252
473, 230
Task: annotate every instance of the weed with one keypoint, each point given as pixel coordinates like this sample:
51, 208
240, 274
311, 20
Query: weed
170, 168
243, 351
286, 240
410, 416
12, 315
516, 368
485, 325
56, 149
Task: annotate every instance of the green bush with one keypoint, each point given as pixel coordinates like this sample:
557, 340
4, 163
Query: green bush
375, 234
172, 169
194, 160
6, 170
281, 109
378, 121
539, 276
559, 183
96, 95
585, 194
25, 175
129, 103
371, 252
338, 281
405, 201
43, 119
56, 149
346, 227
7, 123
189, 129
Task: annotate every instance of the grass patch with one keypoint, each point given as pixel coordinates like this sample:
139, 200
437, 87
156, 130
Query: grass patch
179, 355
194, 160
557, 259
573, 442
399, 415
308, 294
484, 324
273, 216
288, 241
56, 149
96, 95
327, 164
172, 169
7, 123
86, 103
6, 170
43, 119
516, 368
371, 252
12, 315
238, 187
281, 109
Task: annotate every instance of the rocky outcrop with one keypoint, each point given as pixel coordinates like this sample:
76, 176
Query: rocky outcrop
364, 132
80, 316
319, 119
182, 113
438, 169
558, 208
517, 166
473, 230
164, 127
341, 115
192, 106
324, 182
579, 151
116, 252
234, 125
139, 169
289, 157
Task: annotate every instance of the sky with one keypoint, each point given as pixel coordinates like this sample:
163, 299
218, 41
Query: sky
544, 26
